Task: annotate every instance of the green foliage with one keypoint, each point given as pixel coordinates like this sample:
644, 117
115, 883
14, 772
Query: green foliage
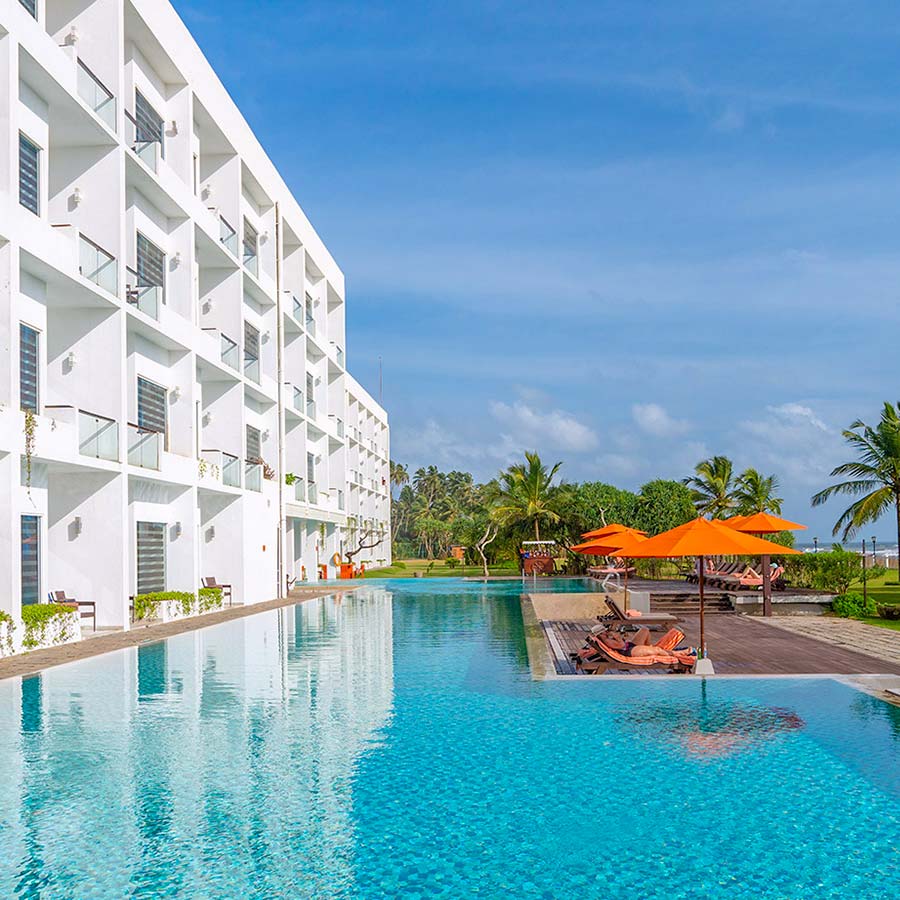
802, 571
209, 598
888, 611
398, 564
290, 478
755, 493
527, 497
451, 562
36, 617
30, 428
837, 570
876, 571
873, 477
784, 538
852, 605
145, 605
7, 619
662, 505
712, 486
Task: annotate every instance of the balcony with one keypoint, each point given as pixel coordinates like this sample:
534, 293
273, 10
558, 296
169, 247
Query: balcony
144, 447
98, 437
298, 400
147, 148
338, 354
227, 468
228, 236
340, 499
97, 96
251, 367
253, 475
145, 297
300, 490
312, 493
298, 309
98, 266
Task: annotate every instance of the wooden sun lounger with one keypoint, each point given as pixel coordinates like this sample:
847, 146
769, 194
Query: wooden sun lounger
616, 617
597, 658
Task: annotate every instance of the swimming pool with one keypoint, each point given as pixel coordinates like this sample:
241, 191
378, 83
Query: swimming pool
393, 743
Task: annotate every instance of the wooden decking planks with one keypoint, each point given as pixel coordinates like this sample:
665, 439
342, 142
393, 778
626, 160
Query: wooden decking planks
740, 645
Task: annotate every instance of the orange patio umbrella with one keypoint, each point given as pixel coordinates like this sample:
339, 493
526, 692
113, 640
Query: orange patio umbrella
764, 523
701, 538
614, 544
607, 530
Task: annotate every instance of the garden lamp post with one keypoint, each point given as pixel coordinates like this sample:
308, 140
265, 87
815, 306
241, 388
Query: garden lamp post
865, 587
815, 545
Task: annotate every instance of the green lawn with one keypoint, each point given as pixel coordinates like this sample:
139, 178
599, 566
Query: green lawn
893, 624
882, 590
437, 568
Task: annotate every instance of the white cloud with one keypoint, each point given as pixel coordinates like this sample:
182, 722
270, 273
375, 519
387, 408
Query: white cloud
796, 413
653, 419
554, 428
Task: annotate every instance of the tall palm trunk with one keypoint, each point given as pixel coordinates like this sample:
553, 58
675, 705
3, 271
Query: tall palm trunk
897, 507
537, 529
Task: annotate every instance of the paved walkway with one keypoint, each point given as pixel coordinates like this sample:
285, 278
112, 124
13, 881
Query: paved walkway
36, 660
881, 643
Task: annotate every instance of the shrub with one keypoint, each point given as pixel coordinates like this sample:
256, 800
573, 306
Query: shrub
452, 562
36, 617
837, 570
209, 598
145, 604
876, 571
887, 611
853, 606
398, 564
801, 571
7, 619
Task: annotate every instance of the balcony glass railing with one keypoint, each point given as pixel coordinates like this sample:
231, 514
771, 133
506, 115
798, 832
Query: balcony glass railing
339, 427
231, 470
311, 408
230, 352
251, 262
298, 400
312, 493
149, 151
298, 309
251, 368
146, 297
143, 447
300, 490
96, 95
253, 473
98, 437
339, 355
340, 500
228, 236
97, 265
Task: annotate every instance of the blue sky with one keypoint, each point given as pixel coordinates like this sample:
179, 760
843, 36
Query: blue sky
626, 234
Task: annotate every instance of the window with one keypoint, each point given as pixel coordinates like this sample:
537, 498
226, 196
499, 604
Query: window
311, 468
31, 6
31, 559
251, 351
151, 406
254, 444
29, 350
250, 243
148, 124
151, 557
195, 174
151, 265
29, 175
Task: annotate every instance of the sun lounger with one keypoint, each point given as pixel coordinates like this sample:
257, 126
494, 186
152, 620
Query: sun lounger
617, 617
597, 657
87, 609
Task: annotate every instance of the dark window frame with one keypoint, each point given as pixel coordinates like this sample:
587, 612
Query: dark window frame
151, 530
25, 404
30, 196
32, 587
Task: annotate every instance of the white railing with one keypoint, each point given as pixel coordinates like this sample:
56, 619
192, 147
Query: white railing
146, 297
148, 151
253, 473
228, 236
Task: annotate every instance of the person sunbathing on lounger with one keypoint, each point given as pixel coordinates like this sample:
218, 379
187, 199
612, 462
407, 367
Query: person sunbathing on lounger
638, 645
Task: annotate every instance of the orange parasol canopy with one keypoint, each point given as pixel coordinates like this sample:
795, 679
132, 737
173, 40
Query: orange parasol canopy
702, 537
606, 545
762, 523
606, 530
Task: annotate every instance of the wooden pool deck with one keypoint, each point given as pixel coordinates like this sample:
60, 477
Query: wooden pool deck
738, 645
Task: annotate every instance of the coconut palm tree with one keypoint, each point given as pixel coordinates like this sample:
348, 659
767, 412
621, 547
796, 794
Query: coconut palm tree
399, 474
712, 486
527, 495
874, 477
755, 493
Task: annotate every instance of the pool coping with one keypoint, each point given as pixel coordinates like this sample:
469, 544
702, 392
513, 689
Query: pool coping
885, 687
34, 661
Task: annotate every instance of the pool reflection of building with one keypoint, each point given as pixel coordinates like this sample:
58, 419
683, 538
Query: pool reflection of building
242, 738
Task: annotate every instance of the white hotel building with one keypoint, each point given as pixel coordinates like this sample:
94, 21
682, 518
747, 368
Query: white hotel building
174, 397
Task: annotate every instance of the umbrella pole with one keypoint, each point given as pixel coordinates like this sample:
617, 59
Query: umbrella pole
702, 623
767, 586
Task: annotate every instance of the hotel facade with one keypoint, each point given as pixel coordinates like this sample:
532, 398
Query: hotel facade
175, 402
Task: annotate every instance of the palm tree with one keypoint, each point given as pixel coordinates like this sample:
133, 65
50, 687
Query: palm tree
874, 476
527, 496
399, 474
712, 486
755, 493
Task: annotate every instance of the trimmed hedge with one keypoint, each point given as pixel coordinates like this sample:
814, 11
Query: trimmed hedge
207, 598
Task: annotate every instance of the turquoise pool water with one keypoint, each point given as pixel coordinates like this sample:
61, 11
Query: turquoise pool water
393, 744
